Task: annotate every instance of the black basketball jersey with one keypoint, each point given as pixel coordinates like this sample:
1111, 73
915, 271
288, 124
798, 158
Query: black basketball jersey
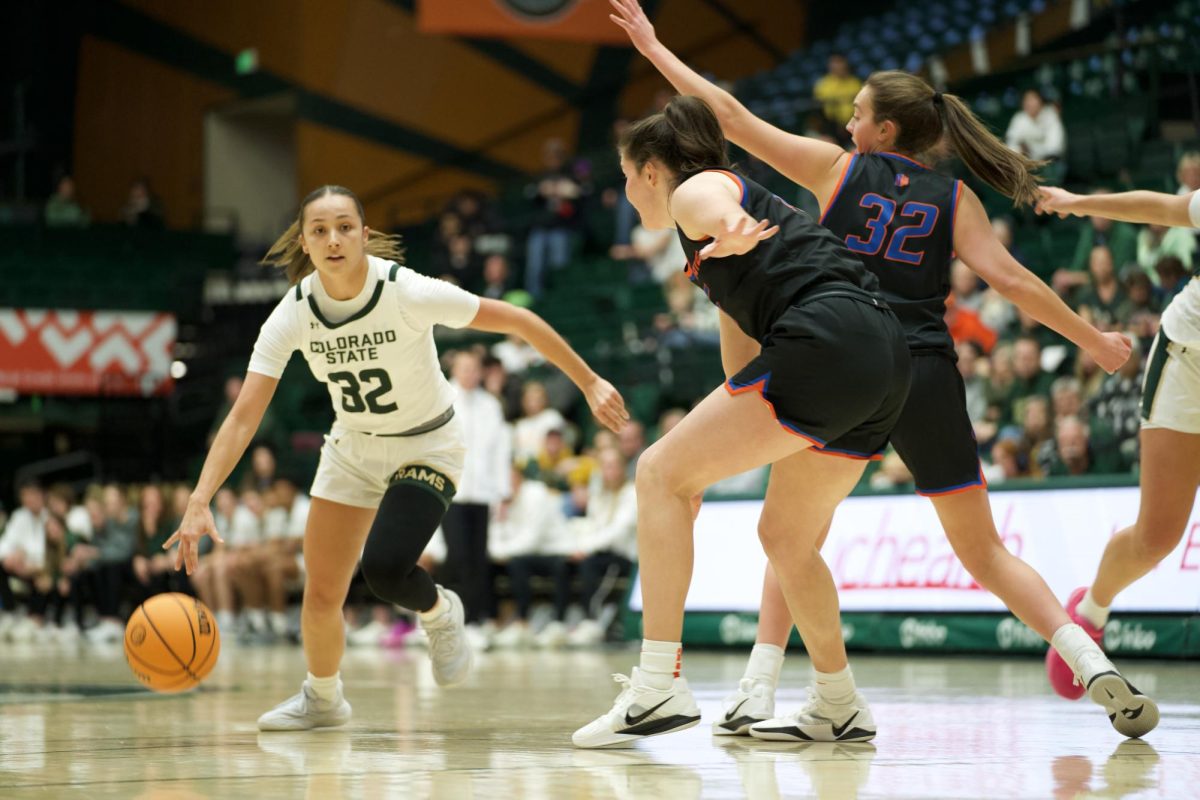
757, 287
897, 215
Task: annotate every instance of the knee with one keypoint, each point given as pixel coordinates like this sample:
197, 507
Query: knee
774, 533
1156, 541
656, 474
322, 596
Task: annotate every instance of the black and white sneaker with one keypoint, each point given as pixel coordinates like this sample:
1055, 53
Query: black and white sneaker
754, 701
817, 721
640, 711
1131, 713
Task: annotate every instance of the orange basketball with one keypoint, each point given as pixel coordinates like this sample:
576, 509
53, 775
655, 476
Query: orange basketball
172, 642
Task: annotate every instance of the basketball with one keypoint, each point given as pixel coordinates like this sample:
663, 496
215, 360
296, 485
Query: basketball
172, 642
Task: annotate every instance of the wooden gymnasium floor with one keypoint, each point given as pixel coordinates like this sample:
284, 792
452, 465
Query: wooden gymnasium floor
74, 724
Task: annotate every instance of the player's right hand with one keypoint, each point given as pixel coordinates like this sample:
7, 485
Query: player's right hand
607, 404
197, 522
631, 17
1052, 200
1113, 352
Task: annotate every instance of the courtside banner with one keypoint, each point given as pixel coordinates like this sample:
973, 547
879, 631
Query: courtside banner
568, 20
86, 352
889, 554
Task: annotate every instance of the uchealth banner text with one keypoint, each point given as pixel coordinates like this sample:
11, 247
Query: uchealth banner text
86, 352
566, 20
890, 554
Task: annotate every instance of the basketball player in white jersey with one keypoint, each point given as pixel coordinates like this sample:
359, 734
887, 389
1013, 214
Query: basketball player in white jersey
1170, 436
392, 460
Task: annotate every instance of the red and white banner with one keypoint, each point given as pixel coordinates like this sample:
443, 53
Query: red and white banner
86, 352
567, 20
890, 554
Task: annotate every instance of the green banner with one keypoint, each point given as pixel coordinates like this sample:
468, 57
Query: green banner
1147, 635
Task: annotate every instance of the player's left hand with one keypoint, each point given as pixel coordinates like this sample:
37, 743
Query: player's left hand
607, 404
739, 238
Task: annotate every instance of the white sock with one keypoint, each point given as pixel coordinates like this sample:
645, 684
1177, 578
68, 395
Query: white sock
766, 660
257, 618
1092, 611
661, 663
325, 688
836, 688
1072, 641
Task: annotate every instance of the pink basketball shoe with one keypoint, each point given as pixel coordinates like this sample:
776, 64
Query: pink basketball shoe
1062, 678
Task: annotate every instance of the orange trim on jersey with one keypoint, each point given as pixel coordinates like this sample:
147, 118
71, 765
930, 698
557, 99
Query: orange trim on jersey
903, 157
838, 189
760, 386
981, 484
733, 176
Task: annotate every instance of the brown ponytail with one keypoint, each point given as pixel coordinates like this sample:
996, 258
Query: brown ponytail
287, 253
924, 116
685, 137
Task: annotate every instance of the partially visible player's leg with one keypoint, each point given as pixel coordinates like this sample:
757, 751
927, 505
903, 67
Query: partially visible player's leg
333, 539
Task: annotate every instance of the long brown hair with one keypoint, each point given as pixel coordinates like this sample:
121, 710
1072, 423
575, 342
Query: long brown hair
287, 253
923, 116
685, 137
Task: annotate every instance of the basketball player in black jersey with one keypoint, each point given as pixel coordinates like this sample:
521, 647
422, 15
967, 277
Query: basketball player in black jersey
905, 222
830, 379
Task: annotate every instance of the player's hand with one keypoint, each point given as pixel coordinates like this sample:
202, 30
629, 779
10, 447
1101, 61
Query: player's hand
1052, 200
1113, 352
738, 238
631, 17
197, 522
607, 404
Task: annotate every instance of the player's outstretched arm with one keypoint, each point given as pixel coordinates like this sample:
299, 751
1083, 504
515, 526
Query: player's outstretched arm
496, 316
979, 248
1153, 208
708, 205
227, 448
811, 163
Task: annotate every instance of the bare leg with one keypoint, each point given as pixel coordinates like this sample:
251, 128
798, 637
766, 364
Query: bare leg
333, 540
1170, 477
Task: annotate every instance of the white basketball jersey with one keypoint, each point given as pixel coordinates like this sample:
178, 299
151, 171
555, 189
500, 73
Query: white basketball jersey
380, 364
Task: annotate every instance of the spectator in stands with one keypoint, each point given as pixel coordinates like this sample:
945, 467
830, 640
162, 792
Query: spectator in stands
669, 419
496, 277
212, 577
1172, 276
1117, 404
112, 571
1037, 130
631, 443
243, 546
269, 431
516, 354
63, 209
474, 215
1156, 242
265, 570
962, 307
606, 545
1037, 433
1029, 377
537, 419
1072, 454
483, 485
1003, 228
555, 195
22, 556
1088, 373
1008, 461
1000, 383
61, 500
501, 385
893, 473
836, 92
143, 209
529, 537
1139, 296
1101, 302
52, 588
262, 469
1120, 238
1188, 172
152, 566
458, 263
659, 249
974, 384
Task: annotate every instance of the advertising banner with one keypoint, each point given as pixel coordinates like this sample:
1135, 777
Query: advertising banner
86, 352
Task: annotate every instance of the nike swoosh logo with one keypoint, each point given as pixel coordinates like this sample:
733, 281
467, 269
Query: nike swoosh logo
837, 732
729, 716
634, 720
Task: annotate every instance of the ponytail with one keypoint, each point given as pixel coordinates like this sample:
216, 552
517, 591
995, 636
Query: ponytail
924, 117
288, 255
685, 137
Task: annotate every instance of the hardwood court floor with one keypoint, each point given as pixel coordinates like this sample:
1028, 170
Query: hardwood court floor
74, 724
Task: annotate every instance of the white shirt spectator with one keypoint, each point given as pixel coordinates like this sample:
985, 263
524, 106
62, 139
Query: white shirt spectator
610, 524
245, 528
533, 525
530, 432
287, 523
25, 533
486, 470
664, 253
516, 355
79, 522
1038, 137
